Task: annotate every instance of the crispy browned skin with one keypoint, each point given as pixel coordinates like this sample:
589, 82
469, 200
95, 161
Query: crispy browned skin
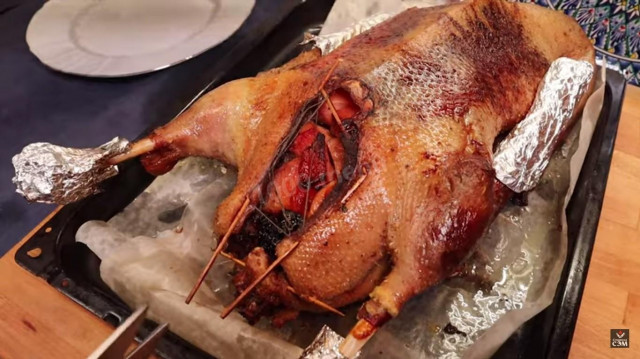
436, 87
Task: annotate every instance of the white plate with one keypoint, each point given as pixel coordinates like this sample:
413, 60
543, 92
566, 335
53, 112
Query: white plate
111, 38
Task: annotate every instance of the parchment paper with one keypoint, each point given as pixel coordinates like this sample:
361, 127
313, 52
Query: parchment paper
153, 251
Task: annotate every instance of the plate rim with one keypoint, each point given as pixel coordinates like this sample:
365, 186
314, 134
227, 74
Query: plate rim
36, 42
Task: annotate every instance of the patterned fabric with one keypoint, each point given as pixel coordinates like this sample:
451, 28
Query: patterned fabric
614, 29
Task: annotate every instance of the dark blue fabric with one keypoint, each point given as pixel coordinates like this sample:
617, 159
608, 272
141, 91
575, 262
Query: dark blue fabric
40, 105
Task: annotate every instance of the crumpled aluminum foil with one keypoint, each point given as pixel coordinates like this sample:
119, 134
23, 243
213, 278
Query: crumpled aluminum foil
53, 174
329, 42
524, 154
325, 346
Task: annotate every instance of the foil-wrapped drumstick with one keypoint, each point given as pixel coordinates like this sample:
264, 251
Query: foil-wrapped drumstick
368, 170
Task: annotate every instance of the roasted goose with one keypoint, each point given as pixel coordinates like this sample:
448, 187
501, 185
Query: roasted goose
386, 187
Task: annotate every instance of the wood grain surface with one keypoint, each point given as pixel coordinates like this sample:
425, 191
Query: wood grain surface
611, 297
36, 321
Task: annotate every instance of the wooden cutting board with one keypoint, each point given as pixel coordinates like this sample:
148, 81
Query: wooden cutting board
37, 321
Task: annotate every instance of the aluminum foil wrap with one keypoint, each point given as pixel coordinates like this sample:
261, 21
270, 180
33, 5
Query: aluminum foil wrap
325, 346
522, 157
53, 174
329, 42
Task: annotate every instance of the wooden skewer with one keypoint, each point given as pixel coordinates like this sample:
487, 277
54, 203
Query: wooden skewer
316, 301
137, 148
233, 259
331, 70
219, 249
246, 292
357, 338
332, 108
355, 186
307, 298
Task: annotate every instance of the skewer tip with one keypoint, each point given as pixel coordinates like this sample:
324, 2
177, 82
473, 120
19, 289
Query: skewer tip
219, 249
355, 185
329, 73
